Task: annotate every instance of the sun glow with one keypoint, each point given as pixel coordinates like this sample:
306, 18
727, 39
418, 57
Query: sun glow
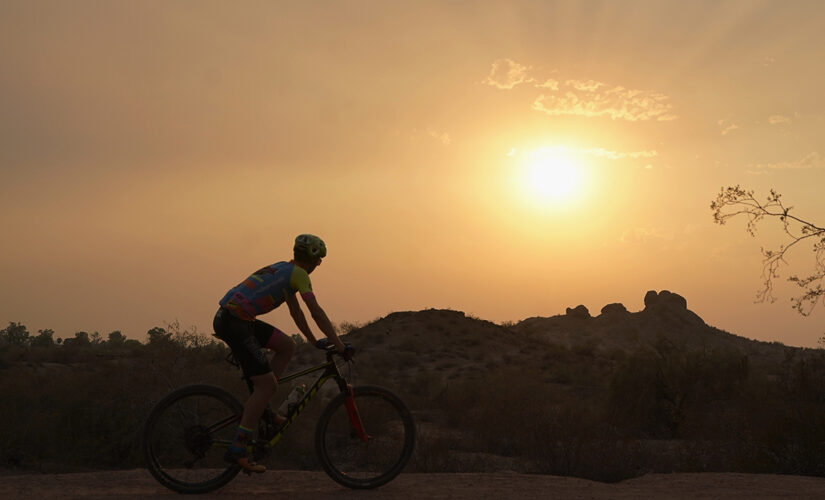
552, 176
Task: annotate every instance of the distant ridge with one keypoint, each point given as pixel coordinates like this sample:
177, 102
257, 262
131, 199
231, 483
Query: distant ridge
665, 317
461, 343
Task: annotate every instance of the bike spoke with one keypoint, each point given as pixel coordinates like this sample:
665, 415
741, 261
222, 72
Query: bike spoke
187, 436
367, 442
231, 421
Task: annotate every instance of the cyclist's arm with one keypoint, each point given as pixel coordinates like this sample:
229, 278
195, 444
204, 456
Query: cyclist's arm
322, 320
299, 318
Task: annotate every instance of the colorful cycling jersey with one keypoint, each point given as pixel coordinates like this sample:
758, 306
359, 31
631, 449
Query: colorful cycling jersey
266, 289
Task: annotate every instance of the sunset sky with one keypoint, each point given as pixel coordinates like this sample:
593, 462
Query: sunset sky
506, 159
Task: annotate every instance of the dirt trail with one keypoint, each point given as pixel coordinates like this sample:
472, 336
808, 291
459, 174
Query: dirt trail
315, 485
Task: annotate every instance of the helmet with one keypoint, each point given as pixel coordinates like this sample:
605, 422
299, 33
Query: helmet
310, 245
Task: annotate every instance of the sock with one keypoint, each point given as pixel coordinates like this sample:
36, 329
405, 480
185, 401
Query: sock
242, 436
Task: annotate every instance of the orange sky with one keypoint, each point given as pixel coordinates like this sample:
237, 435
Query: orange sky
152, 154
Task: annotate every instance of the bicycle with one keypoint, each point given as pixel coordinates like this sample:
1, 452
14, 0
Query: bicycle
363, 438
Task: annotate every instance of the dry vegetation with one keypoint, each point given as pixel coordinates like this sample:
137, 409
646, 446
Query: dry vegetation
607, 397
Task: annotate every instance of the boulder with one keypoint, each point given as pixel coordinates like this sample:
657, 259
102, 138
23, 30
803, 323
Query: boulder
651, 298
664, 298
578, 312
616, 308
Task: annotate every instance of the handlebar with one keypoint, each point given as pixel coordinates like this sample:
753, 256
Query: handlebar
331, 350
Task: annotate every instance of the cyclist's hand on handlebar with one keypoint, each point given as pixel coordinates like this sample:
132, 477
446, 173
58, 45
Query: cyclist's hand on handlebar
348, 352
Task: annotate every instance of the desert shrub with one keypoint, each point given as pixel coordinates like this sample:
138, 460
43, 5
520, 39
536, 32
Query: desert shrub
10, 355
83, 404
665, 392
347, 327
514, 413
786, 419
585, 347
432, 452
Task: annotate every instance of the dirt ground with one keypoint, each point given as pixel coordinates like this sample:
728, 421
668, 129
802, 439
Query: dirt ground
316, 485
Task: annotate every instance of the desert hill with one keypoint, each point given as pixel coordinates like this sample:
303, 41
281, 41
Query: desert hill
664, 319
405, 344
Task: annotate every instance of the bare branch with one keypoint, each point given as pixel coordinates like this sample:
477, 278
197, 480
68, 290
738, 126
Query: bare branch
735, 201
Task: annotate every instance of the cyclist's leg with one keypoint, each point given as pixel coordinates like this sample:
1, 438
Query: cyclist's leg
264, 388
240, 336
283, 347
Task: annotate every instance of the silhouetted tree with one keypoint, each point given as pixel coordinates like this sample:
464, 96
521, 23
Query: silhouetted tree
15, 333
132, 343
44, 339
81, 339
159, 336
735, 201
95, 338
116, 339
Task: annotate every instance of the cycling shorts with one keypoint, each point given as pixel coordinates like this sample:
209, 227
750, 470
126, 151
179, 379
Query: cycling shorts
247, 340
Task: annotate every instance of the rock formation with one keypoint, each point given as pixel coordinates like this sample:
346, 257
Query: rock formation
578, 312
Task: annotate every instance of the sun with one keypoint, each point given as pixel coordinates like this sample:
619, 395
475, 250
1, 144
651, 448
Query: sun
551, 176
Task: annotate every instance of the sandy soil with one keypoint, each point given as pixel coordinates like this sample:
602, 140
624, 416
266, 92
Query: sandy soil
316, 485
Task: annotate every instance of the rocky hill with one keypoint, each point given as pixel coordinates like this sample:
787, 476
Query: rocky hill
665, 319
454, 346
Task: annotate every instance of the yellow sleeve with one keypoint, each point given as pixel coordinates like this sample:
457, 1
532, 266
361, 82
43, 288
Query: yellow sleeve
299, 280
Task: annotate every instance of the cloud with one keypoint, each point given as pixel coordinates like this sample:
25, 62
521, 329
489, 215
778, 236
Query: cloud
617, 155
548, 84
777, 119
727, 126
659, 238
430, 133
585, 85
582, 97
646, 235
442, 137
809, 161
596, 152
506, 74
597, 99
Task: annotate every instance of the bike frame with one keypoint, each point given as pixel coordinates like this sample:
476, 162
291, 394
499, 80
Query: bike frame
330, 371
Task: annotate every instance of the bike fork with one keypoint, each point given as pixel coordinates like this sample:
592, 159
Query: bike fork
354, 416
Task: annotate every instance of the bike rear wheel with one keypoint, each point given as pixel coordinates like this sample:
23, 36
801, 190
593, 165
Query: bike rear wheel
186, 436
374, 458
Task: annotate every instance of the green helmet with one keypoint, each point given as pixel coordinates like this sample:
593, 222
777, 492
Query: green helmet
310, 245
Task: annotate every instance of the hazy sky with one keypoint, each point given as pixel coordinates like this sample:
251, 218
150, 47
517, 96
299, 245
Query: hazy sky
152, 154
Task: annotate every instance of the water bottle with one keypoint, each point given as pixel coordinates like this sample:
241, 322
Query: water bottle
291, 400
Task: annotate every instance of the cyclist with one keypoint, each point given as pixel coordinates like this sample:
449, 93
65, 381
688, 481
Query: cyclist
235, 323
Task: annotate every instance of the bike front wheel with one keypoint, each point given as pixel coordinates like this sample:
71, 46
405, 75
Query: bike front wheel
367, 444
186, 436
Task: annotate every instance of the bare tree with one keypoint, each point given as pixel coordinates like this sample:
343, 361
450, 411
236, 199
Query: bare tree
735, 201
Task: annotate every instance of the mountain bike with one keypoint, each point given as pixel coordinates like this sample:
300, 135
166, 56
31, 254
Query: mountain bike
363, 438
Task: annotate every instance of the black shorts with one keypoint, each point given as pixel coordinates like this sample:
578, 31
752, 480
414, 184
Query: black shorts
246, 339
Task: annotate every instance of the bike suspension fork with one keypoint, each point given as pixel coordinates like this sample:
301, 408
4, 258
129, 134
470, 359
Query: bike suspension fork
354, 416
